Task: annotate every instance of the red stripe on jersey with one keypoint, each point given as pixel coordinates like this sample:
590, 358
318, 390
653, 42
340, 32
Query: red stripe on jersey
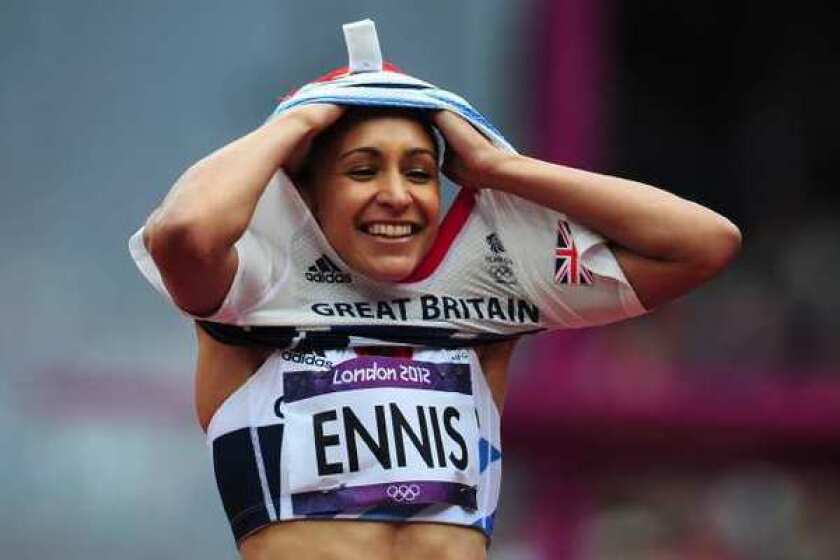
344, 70
451, 226
339, 73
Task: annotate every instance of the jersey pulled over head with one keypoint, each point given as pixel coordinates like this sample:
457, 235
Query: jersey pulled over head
496, 266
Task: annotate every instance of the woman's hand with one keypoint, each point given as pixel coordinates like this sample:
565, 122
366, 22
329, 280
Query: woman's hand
315, 117
470, 158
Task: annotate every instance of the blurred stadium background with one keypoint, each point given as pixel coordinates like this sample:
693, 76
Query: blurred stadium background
709, 430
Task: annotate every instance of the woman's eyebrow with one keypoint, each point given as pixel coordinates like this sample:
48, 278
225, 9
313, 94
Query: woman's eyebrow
365, 149
417, 151
375, 152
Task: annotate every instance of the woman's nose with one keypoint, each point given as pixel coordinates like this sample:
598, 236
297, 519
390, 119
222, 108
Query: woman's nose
394, 191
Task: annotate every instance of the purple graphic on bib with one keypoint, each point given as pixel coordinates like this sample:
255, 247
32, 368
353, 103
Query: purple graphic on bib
373, 372
404, 493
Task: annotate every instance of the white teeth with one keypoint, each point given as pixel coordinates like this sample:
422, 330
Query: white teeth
389, 230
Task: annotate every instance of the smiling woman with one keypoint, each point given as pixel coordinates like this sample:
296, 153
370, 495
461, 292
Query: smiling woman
352, 348
373, 185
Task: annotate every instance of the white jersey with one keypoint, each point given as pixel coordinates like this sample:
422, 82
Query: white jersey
340, 435
500, 267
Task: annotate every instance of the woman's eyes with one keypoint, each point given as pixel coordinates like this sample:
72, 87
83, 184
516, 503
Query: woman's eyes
419, 175
362, 172
416, 175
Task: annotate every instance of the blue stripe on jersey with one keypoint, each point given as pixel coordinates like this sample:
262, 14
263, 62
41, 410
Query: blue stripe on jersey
487, 453
238, 481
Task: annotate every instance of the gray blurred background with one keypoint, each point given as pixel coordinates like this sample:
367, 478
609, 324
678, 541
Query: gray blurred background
707, 430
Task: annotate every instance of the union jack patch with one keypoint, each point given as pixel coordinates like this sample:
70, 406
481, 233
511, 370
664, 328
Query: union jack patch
567, 266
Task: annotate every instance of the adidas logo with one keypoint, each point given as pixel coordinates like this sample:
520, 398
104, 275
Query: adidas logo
495, 243
314, 358
324, 271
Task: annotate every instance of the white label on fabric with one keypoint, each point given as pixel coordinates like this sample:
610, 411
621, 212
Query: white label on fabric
362, 46
374, 420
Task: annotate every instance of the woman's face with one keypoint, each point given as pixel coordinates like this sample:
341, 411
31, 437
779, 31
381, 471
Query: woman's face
375, 192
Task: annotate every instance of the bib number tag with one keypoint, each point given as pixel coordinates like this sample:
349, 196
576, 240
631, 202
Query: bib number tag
379, 430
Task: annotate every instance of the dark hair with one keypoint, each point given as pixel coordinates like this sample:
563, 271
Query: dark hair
304, 175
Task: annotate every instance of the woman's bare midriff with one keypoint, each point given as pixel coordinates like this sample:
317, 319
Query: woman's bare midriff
363, 540
221, 369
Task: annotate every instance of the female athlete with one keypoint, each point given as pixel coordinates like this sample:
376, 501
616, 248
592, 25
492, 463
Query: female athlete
370, 180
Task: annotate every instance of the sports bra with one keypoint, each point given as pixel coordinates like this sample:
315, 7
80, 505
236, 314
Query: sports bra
343, 435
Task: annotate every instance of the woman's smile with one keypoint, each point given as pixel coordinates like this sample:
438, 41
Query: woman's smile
390, 231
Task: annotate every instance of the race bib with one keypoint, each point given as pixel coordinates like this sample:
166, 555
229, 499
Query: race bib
377, 430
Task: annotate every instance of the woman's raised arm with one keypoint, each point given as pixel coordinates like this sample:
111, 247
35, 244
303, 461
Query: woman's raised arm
191, 236
665, 245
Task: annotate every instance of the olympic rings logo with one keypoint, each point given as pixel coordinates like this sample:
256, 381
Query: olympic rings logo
403, 493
